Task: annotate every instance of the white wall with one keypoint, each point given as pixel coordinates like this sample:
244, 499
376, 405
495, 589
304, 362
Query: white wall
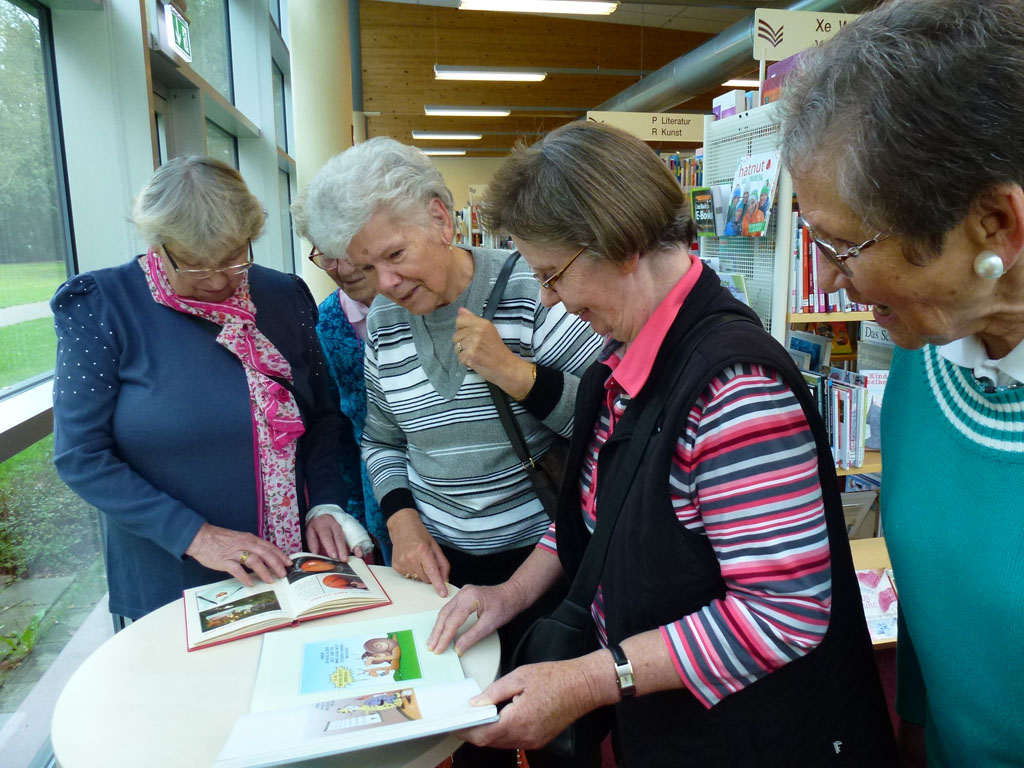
461, 172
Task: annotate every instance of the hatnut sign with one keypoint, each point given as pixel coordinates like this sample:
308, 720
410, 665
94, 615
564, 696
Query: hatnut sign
655, 126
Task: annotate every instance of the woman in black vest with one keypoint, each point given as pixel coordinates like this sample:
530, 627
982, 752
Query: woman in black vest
728, 624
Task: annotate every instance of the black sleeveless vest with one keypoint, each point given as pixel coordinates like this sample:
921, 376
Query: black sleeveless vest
824, 709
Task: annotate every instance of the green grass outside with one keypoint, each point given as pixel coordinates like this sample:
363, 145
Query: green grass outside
30, 282
26, 350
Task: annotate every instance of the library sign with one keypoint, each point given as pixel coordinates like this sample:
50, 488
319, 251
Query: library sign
780, 34
655, 126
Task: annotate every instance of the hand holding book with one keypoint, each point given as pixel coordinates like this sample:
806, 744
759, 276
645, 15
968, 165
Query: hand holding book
313, 586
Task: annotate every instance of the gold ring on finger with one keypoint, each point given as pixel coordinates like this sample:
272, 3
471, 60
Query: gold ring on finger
244, 556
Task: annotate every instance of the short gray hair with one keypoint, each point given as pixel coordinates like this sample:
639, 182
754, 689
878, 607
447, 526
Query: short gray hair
346, 193
201, 203
918, 106
588, 184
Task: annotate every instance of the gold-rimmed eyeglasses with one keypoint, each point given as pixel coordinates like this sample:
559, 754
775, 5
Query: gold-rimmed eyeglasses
324, 262
548, 283
838, 258
199, 275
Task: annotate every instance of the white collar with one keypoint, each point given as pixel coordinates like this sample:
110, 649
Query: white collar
969, 352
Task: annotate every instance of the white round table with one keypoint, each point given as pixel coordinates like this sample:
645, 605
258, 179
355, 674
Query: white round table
141, 699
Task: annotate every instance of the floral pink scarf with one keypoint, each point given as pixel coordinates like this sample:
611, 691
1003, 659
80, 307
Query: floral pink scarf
276, 420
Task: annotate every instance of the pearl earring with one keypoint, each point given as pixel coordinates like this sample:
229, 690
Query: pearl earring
988, 265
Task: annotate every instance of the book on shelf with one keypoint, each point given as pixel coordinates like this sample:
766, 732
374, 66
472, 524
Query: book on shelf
755, 178
736, 284
775, 77
728, 104
818, 347
837, 333
873, 357
881, 606
873, 333
702, 211
329, 689
314, 586
876, 381
851, 420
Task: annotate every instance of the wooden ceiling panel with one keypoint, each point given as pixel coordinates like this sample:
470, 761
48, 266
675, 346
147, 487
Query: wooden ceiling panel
401, 43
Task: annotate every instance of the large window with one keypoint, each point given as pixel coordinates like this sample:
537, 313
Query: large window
280, 109
211, 43
33, 243
221, 144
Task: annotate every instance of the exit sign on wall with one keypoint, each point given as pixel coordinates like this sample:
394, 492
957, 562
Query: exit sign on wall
177, 32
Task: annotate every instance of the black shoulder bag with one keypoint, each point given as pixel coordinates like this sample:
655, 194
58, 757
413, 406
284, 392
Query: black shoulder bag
545, 472
567, 633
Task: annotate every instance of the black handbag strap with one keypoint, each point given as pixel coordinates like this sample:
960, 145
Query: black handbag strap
584, 585
515, 435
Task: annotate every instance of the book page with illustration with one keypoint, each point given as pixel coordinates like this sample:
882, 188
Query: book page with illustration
314, 586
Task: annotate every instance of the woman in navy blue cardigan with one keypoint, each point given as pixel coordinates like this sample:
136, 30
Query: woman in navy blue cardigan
191, 400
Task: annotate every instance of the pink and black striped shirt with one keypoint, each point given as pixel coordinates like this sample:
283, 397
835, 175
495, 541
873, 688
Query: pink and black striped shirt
745, 476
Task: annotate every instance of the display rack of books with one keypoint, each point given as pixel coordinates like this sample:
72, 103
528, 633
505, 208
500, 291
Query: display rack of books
751, 240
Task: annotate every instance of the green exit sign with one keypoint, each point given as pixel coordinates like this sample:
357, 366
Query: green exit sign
177, 32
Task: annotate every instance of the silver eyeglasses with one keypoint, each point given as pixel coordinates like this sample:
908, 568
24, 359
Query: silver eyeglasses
548, 283
198, 275
832, 254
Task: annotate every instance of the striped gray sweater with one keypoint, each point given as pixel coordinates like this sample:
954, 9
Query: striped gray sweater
433, 437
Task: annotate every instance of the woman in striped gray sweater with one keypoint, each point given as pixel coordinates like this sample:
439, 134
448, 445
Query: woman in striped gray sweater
458, 504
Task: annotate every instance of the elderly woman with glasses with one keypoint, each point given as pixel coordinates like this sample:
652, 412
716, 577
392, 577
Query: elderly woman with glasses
727, 621
341, 328
905, 138
191, 402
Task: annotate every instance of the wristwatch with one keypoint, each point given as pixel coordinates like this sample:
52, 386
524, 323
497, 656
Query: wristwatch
623, 671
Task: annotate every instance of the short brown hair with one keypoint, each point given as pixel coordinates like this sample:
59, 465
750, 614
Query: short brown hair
588, 184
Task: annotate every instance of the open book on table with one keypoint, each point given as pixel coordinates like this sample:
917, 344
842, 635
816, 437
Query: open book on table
314, 586
323, 690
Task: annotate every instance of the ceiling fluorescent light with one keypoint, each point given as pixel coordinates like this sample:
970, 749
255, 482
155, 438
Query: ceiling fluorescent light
437, 111
741, 83
444, 152
446, 136
498, 74
540, 6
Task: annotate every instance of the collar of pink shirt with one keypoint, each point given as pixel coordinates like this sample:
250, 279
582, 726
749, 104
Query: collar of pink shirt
630, 371
355, 313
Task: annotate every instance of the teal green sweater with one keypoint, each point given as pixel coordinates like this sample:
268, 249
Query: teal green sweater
953, 516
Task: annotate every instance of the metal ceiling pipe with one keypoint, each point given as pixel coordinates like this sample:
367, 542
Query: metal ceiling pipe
727, 55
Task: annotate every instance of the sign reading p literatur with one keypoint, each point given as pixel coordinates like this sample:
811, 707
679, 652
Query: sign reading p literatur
780, 34
655, 126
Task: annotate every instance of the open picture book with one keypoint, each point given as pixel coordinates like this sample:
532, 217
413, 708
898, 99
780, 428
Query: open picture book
328, 689
314, 586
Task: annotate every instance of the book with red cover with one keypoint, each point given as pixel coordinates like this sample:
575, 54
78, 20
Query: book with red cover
314, 586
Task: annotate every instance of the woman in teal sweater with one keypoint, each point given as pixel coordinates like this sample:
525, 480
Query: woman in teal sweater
922, 215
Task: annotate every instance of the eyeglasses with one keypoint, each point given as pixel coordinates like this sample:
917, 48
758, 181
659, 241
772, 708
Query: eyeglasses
318, 258
548, 283
832, 254
199, 275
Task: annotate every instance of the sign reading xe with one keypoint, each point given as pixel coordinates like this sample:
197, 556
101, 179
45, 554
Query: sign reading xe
780, 34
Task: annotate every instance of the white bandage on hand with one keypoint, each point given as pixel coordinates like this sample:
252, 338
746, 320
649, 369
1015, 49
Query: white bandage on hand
355, 534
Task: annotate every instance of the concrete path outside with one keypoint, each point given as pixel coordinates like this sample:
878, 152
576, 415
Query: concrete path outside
24, 312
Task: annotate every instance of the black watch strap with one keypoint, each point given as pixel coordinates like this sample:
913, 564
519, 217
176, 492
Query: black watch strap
623, 671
